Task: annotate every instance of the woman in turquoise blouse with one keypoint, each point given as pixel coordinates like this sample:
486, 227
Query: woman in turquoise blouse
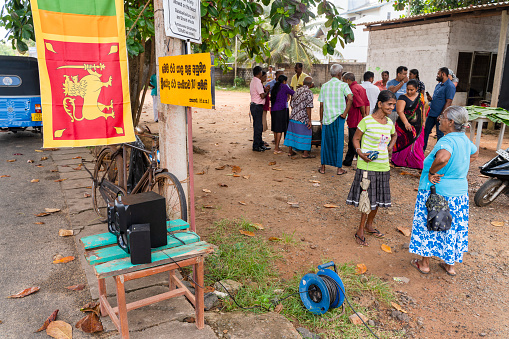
446, 167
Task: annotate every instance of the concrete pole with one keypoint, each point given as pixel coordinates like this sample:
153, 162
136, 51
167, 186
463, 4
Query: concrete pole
236, 48
172, 119
502, 41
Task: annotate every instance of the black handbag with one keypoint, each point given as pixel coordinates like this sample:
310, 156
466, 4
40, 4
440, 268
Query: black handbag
439, 214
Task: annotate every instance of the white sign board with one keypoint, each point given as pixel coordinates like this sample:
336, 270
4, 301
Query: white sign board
182, 19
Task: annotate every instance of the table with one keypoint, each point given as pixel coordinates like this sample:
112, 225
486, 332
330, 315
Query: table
109, 260
477, 124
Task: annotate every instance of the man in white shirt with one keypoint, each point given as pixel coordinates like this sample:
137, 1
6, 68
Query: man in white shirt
371, 90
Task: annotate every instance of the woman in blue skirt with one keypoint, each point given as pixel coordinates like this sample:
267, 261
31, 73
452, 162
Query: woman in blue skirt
447, 168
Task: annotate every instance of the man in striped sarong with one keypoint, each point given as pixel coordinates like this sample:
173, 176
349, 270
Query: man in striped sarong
335, 101
299, 133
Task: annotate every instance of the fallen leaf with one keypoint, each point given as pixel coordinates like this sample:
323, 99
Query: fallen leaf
54, 170
17, 154
51, 318
59, 329
200, 173
12, 160
42, 214
38, 150
39, 166
277, 169
39, 223
206, 190
236, 169
30, 161
190, 320
386, 248
25, 292
44, 158
52, 149
78, 287
86, 195
68, 166
246, 176
242, 203
248, 233
77, 168
52, 210
64, 260
208, 289
65, 233
222, 185
291, 203
405, 230
272, 163
278, 308
497, 223
315, 181
5, 176
278, 180
236, 175
258, 226
77, 157
34, 180
291, 178
92, 306
274, 239
90, 323
398, 307
89, 187
330, 206
221, 167
360, 269
208, 206
60, 180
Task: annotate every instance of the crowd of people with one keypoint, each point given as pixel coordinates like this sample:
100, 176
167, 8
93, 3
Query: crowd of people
388, 121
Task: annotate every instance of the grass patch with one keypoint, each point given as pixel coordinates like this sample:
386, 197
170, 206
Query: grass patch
230, 88
251, 261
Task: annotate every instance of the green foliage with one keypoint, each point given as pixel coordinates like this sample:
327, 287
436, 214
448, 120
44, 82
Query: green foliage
141, 30
16, 18
6, 49
430, 6
239, 82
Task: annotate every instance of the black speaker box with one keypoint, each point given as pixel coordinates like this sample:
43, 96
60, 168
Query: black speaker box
142, 208
138, 239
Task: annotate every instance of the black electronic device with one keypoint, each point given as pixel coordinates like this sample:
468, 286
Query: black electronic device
138, 242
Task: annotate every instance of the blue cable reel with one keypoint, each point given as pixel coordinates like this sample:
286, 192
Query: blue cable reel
322, 291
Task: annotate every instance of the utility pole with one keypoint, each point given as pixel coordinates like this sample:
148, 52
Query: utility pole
172, 119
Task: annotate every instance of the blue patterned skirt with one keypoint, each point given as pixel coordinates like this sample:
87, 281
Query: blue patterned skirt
333, 139
448, 246
298, 136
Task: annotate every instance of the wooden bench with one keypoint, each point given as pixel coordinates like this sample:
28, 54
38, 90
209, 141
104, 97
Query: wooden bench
184, 248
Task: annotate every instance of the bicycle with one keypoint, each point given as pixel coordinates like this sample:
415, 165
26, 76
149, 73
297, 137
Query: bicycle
110, 178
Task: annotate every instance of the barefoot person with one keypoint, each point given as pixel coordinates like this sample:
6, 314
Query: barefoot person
375, 132
335, 101
446, 167
298, 135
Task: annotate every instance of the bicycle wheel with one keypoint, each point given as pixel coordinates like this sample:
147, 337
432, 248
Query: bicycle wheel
167, 185
105, 184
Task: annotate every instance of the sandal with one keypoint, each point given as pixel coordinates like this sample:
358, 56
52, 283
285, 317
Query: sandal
292, 154
376, 233
321, 171
344, 172
415, 263
361, 241
311, 156
445, 269
278, 152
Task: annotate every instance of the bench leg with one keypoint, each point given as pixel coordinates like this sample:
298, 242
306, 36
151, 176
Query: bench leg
171, 280
122, 308
102, 292
198, 292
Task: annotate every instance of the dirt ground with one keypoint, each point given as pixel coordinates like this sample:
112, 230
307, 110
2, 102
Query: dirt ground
472, 304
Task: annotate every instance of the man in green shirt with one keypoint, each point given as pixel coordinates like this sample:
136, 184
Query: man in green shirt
335, 101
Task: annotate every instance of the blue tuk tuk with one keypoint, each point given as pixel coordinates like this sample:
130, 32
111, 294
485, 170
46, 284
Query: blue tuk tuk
20, 95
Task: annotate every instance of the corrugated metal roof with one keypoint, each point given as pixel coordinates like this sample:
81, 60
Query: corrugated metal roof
439, 14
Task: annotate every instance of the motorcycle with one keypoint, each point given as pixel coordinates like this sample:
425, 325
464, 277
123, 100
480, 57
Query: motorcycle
498, 169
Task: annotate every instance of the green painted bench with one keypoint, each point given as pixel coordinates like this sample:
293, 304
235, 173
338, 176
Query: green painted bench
184, 248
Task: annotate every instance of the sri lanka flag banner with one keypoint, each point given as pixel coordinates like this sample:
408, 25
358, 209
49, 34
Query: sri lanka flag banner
83, 72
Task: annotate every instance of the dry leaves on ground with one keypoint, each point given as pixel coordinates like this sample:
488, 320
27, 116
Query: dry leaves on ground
236, 169
30, 161
63, 260
78, 287
248, 233
52, 210
90, 323
236, 176
39, 165
360, 269
258, 226
5, 176
206, 190
246, 176
272, 163
42, 214
78, 157
330, 206
274, 239
242, 203
398, 307
221, 167
39, 222
59, 329
65, 233
34, 180
200, 173
25, 292
86, 195
208, 206
51, 318
11, 160
222, 185
386, 248
278, 308
44, 158
60, 180
405, 230
497, 223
